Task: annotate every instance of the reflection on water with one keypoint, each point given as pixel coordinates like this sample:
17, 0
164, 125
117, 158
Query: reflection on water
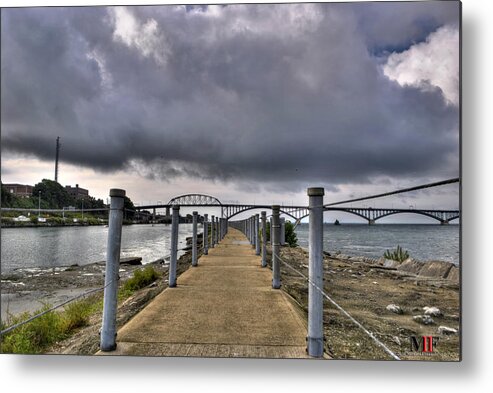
62, 246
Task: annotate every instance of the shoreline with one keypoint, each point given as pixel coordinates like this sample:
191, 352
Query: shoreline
363, 287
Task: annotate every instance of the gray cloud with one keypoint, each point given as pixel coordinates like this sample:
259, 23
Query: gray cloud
284, 94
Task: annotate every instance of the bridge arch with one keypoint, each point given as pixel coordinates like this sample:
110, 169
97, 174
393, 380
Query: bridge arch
422, 213
195, 200
245, 209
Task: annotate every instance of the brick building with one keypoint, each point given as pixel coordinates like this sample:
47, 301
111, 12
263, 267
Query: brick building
21, 190
77, 192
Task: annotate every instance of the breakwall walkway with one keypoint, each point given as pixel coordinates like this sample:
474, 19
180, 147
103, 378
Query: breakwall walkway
224, 307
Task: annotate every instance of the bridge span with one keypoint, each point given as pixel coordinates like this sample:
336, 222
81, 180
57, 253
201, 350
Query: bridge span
297, 213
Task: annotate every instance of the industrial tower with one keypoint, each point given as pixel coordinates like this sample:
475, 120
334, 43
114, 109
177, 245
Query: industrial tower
56, 158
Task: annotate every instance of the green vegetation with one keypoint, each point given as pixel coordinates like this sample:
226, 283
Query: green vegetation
140, 279
49, 194
291, 237
290, 233
52, 193
38, 335
398, 254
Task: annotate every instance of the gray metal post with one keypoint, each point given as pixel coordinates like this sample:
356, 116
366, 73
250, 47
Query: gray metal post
175, 217
217, 230
205, 237
115, 221
283, 232
264, 239
252, 231
194, 238
247, 233
257, 240
315, 341
275, 231
212, 231
270, 234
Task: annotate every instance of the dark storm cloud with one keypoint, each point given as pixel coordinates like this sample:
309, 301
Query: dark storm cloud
279, 94
397, 25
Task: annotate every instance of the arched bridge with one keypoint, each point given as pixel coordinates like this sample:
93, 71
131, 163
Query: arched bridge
297, 213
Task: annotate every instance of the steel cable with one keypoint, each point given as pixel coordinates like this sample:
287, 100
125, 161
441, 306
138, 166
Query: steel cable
370, 334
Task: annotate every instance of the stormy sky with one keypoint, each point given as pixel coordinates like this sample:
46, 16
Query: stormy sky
244, 102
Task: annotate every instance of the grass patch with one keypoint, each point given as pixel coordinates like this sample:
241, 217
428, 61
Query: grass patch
140, 279
38, 335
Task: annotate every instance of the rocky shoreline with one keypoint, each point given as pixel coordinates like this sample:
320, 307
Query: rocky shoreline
395, 301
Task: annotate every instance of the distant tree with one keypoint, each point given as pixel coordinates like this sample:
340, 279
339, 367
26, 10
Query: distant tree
14, 201
7, 198
91, 203
53, 194
130, 208
291, 237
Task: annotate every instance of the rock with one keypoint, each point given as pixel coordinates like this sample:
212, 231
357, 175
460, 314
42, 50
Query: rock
436, 269
423, 319
454, 274
447, 330
432, 311
410, 265
391, 263
394, 308
131, 261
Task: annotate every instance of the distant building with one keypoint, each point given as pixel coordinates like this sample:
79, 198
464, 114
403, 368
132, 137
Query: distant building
77, 192
21, 190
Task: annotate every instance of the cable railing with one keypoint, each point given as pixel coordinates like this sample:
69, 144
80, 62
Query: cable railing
341, 309
83, 295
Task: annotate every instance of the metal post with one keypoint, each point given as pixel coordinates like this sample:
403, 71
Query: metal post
252, 226
275, 231
217, 230
115, 221
212, 231
175, 217
194, 238
257, 240
205, 238
283, 232
250, 229
315, 341
264, 239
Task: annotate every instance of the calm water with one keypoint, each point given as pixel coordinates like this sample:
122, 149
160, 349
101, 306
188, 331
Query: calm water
48, 247
423, 242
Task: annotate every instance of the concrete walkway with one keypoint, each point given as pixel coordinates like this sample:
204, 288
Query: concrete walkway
224, 307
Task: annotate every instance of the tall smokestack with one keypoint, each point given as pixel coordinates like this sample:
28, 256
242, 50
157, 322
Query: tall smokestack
57, 155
